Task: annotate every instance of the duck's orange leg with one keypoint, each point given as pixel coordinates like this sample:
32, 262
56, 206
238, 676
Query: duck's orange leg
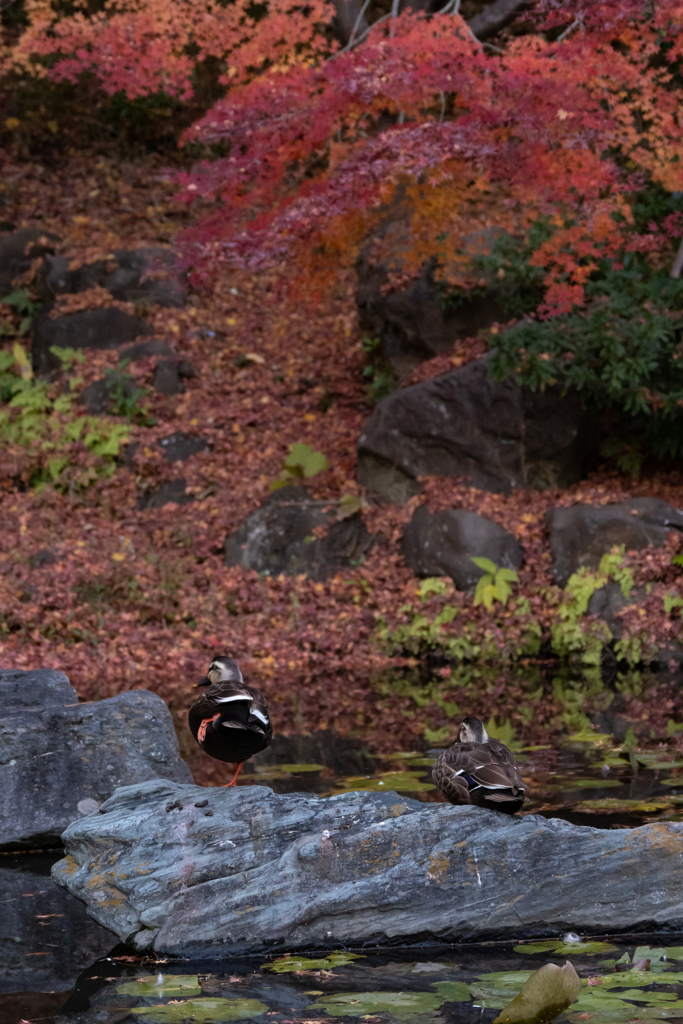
234, 778
203, 726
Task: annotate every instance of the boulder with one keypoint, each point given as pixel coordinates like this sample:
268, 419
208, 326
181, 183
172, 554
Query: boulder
416, 322
609, 600
103, 328
59, 759
464, 424
46, 936
178, 447
169, 374
444, 543
145, 349
149, 274
99, 396
279, 537
169, 491
581, 534
216, 872
17, 252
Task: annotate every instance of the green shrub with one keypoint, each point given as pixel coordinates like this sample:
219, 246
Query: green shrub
42, 423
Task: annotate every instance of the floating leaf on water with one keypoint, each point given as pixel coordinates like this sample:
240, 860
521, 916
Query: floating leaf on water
202, 1011
157, 985
401, 782
399, 1004
429, 967
594, 739
570, 783
301, 963
565, 948
452, 991
495, 989
273, 770
674, 952
653, 954
672, 782
549, 991
614, 803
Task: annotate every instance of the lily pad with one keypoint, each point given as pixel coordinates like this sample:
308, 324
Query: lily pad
399, 1004
612, 803
157, 985
496, 989
672, 782
275, 771
289, 964
566, 948
570, 783
452, 991
401, 782
674, 952
201, 1011
549, 991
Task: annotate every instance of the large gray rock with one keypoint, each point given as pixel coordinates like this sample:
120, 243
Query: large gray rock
581, 534
59, 759
444, 543
46, 936
464, 424
148, 274
17, 252
412, 322
218, 872
279, 537
103, 328
610, 600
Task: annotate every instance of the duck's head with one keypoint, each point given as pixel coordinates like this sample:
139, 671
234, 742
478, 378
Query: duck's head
473, 731
221, 670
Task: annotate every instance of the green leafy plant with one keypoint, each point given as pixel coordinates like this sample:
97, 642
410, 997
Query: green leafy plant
494, 585
25, 306
379, 377
302, 463
40, 421
571, 634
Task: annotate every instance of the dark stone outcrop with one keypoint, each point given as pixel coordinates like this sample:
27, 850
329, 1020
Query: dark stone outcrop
149, 274
90, 328
609, 600
464, 424
145, 349
17, 252
178, 447
169, 491
215, 872
279, 537
59, 759
169, 375
413, 323
581, 534
46, 936
444, 543
99, 396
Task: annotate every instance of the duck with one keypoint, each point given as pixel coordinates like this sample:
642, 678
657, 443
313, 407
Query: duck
230, 721
480, 770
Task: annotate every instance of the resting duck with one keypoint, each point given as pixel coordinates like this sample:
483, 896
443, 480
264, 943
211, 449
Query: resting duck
229, 721
480, 770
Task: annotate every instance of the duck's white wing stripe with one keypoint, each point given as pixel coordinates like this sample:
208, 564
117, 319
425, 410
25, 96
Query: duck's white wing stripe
258, 714
226, 700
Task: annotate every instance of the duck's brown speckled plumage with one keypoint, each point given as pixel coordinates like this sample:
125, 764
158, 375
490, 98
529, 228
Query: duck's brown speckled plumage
480, 770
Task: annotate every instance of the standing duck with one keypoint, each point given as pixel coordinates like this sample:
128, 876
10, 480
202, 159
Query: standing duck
229, 721
480, 770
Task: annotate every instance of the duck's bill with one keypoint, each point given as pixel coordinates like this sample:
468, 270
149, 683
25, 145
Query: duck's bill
204, 681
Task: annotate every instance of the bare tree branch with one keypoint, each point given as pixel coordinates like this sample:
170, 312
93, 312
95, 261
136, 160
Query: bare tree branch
350, 19
494, 17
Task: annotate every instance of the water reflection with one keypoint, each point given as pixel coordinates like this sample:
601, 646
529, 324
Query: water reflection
46, 937
430, 985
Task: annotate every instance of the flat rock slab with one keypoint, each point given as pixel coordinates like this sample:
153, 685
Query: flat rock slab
59, 760
215, 872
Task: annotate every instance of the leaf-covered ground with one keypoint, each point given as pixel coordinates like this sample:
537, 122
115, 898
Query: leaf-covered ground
123, 598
